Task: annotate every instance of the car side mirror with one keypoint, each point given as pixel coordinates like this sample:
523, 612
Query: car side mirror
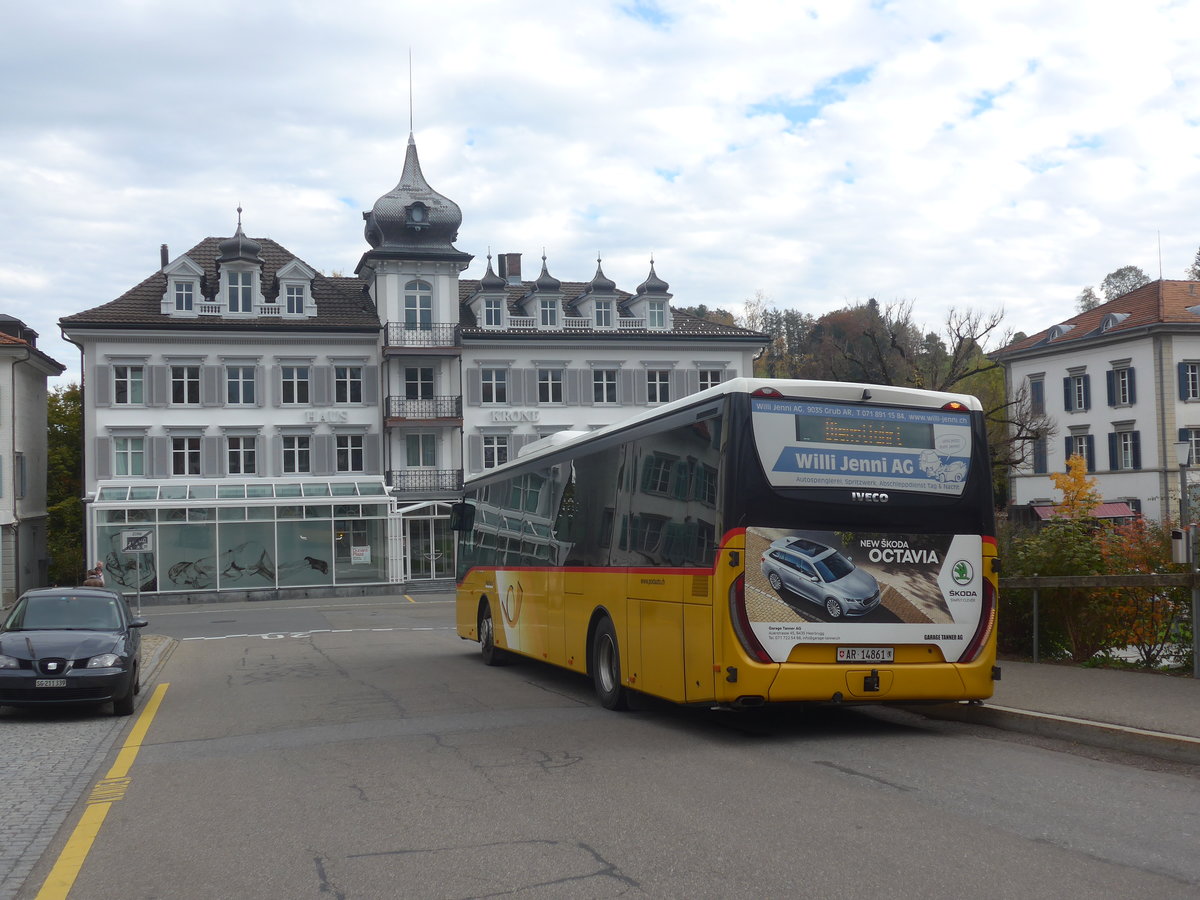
138, 623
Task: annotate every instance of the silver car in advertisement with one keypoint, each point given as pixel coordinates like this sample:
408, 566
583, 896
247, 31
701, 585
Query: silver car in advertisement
819, 574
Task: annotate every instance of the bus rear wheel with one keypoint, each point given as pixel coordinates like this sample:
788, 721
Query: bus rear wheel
606, 667
492, 655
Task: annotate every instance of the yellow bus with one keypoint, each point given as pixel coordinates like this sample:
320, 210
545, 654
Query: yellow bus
762, 541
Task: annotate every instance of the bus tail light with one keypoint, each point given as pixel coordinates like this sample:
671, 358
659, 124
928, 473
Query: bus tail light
987, 621
956, 406
766, 392
741, 621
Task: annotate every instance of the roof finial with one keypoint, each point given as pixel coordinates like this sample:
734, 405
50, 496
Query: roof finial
239, 214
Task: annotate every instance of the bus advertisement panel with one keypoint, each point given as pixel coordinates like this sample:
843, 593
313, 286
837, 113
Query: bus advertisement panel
806, 587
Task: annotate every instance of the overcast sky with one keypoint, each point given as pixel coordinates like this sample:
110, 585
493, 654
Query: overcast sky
955, 154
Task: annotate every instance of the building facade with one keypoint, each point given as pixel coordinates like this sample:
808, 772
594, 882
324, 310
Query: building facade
253, 424
1121, 386
24, 563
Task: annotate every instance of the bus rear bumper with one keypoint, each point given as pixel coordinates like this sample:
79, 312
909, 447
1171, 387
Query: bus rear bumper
892, 683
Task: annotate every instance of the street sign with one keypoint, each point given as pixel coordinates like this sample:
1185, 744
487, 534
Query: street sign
137, 541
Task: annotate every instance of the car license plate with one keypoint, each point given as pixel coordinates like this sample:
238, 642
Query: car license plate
865, 654
50, 682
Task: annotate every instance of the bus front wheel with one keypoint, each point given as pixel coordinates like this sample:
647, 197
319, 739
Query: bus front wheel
492, 655
606, 667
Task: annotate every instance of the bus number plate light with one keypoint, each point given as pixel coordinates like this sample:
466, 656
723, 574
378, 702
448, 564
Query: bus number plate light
865, 654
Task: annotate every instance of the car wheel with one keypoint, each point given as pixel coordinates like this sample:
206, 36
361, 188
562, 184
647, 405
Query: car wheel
833, 608
776, 581
123, 706
492, 655
606, 667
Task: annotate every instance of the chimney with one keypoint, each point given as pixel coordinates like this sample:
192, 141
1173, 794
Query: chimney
164, 255
510, 267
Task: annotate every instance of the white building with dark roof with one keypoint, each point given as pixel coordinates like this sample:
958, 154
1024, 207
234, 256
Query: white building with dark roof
23, 459
1121, 384
271, 427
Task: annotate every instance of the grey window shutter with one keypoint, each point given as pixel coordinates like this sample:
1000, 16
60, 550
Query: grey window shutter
103, 457
322, 454
261, 465
277, 386
101, 386
276, 461
159, 387
587, 387
728, 374
474, 387
571, 386
370, 388
210, 386
260, 386
531, 386
322, 385
371, 454
679, 383
693, 381
516, 387
211, 458
625, 387
159, 464
639, 394
475, 453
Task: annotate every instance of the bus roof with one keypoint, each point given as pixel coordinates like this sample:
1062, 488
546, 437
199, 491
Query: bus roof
788, 388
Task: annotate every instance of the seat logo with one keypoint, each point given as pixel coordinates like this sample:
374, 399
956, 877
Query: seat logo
869, 496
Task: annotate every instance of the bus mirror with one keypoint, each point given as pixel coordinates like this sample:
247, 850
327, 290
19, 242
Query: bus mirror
462, 516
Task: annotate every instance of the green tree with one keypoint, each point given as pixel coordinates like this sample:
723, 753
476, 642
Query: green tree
1193, 271
64, 484
1122, 281
1087, 299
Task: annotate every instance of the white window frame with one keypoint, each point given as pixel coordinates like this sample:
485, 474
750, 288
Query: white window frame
294, 294
185, 455
710, 378
240, 388
604, 387
656, 314
133, 380
493, 386
348, 453
129, 456
418, 383
241, 454
603, 314
658, 386
239, 291
297, 454
294, 384
418, 305
548, 312
348, 385
420, 450
493, 312
185, 296
185, 385
550, 386
495, 450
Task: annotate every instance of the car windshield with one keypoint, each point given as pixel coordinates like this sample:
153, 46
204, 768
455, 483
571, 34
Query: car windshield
834, 566
65, 612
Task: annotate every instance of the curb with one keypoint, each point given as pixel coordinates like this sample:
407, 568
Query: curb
155, 650
1174, 747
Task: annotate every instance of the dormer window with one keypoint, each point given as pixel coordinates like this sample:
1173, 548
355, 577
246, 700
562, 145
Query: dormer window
295, 299
185, 293
416, 217
493, 312
604, 313
239, 290
548, 312
656, 314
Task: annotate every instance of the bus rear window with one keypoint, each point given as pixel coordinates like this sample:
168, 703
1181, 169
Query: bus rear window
806, 444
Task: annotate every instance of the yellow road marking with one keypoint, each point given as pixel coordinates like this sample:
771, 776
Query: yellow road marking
112, 788
409, 599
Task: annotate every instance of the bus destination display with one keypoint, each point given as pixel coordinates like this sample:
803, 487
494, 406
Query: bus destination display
808, 444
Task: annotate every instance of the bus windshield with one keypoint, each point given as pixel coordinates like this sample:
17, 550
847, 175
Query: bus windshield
802, 443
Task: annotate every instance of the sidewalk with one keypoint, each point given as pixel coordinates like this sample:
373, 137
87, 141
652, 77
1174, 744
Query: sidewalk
1138, 712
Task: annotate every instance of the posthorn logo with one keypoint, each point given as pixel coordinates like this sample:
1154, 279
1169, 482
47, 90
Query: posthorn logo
961, 572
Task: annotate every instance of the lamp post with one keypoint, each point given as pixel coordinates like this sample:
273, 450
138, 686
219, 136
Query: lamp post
1183, 452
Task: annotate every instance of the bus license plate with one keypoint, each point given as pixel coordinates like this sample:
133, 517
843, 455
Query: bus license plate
864, 654
50, 682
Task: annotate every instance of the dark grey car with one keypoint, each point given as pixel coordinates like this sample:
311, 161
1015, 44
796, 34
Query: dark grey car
821, 575
70, 645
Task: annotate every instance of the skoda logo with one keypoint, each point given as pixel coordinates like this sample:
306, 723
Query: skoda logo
961, 572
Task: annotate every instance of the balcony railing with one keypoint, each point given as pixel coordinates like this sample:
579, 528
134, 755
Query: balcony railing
423, 480
426, 408
433, 334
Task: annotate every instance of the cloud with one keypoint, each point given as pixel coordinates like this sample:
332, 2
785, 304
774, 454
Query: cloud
985, 154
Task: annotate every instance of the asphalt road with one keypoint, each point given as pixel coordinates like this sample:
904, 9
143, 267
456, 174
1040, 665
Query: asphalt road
359, 749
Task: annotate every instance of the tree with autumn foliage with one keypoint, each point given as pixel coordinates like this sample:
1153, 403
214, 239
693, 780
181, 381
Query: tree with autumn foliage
1142, 617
